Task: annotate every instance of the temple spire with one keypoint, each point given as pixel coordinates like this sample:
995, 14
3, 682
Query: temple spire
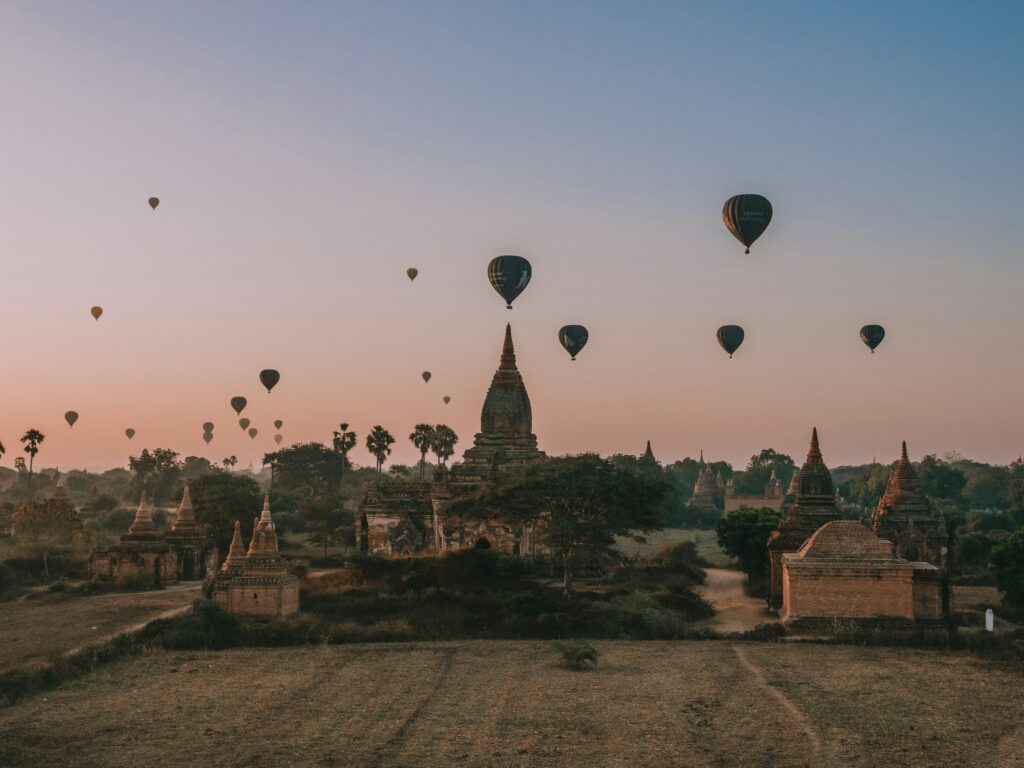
265, 514
255, 529
649, 454
236, 552
904, 456
814, 452
185, 512
508, 351
143, 522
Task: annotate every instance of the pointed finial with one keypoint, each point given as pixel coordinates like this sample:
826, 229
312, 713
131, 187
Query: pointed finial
648, 453
903, 456
508, 351
265, 514
701, 455
186, 499
814, 453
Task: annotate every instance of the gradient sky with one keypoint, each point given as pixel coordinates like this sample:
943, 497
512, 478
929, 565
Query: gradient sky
306, 154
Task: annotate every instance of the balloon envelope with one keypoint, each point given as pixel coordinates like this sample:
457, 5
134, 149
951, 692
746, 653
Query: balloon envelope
412, 272
573, 339
730, 337
747, 217
252, 432
71, 417
244, 423
426, 375
207, 426
278, 424
130, 432
96, 312
207, 436
446, 399
154, 202
239, 403
509, 276
872, 335
278, 439
269, 378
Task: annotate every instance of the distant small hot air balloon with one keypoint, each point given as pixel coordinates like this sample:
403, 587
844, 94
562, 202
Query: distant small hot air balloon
509, 276
207, 436
130, 432
253, 432
747, 217
872, 335
426, 375
278, 423
278, 439
154, 202
244, 423
96, 312
239, 403
446, 399
207, 426
573, 338
730, 337
412, 272
71, 417
269, 378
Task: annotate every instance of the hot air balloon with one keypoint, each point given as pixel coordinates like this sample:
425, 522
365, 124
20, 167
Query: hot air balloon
747, 217
154, 202
509, 275
426, 375
207, 436
130, 432
278, 424
412, 272
96, 312
730, 337
71, 417
573, 338
446, 399
244, 423
278, 439
269, 378
207, 426
872, 335
253, 432
239, 403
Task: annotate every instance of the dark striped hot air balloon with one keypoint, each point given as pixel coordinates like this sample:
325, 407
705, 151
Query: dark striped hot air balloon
411, 273
278, 423
872, 335
730, 337
509, 276
747, 217
573, 338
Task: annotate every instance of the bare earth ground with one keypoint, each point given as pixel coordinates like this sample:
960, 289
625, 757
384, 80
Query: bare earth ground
506, 704
735, 611
30, 630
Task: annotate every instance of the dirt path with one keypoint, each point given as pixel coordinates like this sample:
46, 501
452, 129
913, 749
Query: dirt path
735, 611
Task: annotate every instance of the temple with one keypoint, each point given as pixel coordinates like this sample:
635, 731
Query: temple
143, 554
814, 504
649, 454
196, 554
772, 498
257, 583
708, 491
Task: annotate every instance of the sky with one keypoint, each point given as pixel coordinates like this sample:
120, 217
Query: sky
306, 154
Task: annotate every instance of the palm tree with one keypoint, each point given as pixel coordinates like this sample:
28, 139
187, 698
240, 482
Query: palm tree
423, 438
443, 444
344, 441
379, 442
32, 439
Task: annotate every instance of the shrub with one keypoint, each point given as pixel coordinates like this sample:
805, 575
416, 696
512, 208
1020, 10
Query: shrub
577, 655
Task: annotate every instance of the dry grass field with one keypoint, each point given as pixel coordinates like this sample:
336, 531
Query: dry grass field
508, 704
706, 542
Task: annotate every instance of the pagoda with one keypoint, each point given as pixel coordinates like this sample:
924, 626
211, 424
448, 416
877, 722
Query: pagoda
143, 554
708, 491
190, 540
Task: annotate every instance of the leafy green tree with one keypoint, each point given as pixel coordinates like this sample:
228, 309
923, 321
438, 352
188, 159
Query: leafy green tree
443, 443
987, 487
223, 497
866, 487
326, 520
157, 473
230, 462
1007, 564
577, 504
752, 480
379, 443
42, 528
423, 438
344, 441
972, 551
1015, 499
940, 480
743, 534
194, 467
306, 469
32, 439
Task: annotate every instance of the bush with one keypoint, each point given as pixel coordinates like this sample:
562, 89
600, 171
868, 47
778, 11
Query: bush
577, 655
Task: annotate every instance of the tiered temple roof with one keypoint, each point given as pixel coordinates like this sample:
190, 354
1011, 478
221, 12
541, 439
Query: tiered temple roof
142, 529
708, 490
648, 453
904, 513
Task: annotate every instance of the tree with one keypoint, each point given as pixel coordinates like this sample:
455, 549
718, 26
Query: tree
194, 467
443, 444
752, 480
576, 504
344, 441
939, 479
45, 527
1007, 564
306, 469
423, 437
325, 520
743, 534
379, 443
223, 497
1015, 499
229, 462
156, 473
32, 439
987, 487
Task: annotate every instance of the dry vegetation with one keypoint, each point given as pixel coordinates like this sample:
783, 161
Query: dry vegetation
705, 541
484, 703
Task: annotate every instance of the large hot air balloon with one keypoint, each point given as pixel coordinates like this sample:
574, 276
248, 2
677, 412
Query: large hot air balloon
96, 312
239, 403
426, 375
71, 417
509, 275
447, 399
872, 335
573, 338
253, 432
130, 432
747, 217
278, 423
244, 423
412, 272
269, 378
207, 436
278, 439
154, 202
207, 426
730, 337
